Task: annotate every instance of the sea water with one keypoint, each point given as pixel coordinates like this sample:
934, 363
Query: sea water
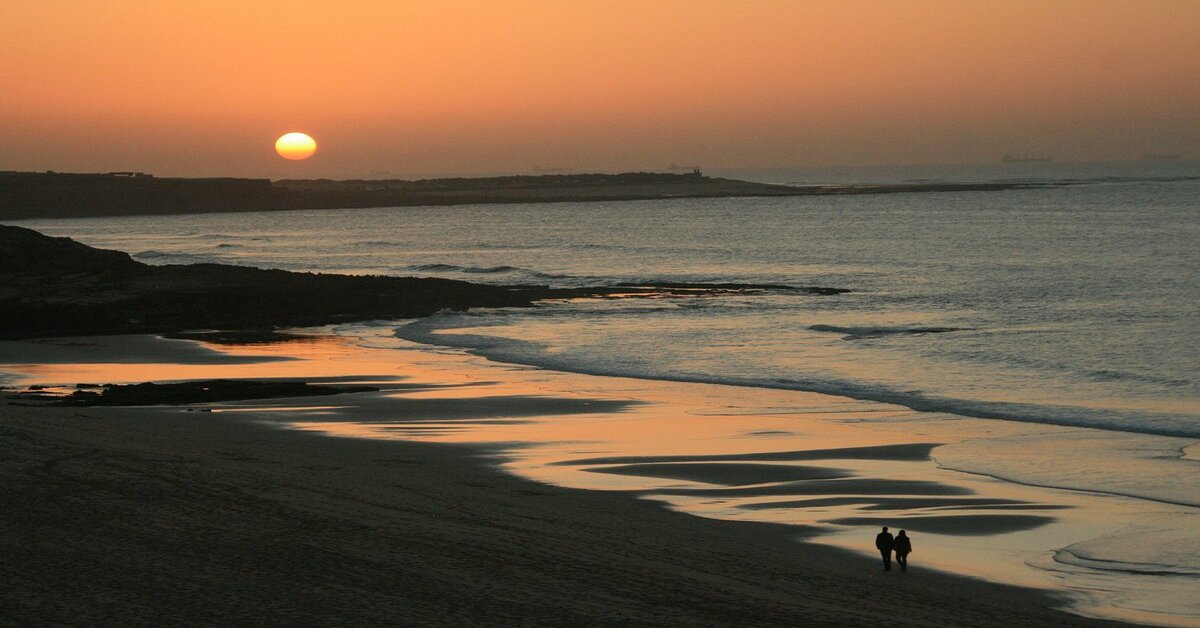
1073, 304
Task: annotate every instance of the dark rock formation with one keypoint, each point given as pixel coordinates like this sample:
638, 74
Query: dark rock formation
208, 391
59, 287
24, 252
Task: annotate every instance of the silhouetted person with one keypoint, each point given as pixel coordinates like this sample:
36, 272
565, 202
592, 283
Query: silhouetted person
903, 547
884, 542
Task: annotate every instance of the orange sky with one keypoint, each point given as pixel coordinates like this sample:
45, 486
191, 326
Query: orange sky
412, 87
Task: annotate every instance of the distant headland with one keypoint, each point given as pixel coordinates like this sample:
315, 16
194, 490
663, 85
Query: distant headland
71, 195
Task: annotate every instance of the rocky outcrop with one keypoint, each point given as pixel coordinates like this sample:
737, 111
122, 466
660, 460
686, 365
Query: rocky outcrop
59, 287
177, 393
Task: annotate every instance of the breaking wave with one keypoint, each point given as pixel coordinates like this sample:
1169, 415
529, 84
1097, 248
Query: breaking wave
485, 270
855, 333
513, 351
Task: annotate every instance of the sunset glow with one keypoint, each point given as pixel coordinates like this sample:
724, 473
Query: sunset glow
475, 87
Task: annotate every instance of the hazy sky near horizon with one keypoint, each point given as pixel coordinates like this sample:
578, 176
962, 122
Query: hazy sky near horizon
409, 88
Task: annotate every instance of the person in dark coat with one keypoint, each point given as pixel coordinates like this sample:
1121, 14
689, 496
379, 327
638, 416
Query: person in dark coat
903, 548
884, 542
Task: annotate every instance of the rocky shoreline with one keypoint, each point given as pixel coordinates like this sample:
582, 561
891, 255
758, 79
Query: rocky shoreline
53, 287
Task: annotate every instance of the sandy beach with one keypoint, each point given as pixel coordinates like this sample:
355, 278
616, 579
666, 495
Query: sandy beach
139, 516
575, 314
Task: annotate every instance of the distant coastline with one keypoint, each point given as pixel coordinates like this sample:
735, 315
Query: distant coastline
28, 195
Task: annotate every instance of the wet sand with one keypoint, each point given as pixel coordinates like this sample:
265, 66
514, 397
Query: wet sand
139, 516
142, 516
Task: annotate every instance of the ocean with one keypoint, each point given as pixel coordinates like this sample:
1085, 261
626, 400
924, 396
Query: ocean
1076, 304
1073, 305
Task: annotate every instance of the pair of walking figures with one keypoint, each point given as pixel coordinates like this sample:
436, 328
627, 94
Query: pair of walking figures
899, 544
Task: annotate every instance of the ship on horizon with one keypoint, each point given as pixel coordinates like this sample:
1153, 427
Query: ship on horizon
1025, 159
1162, 157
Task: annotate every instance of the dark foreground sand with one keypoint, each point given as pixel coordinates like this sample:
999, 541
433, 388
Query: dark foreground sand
120, 517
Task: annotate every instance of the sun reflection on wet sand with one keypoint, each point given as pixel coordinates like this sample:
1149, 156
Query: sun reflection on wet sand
836, 468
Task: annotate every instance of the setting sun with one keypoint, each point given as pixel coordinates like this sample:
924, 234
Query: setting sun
295, 146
